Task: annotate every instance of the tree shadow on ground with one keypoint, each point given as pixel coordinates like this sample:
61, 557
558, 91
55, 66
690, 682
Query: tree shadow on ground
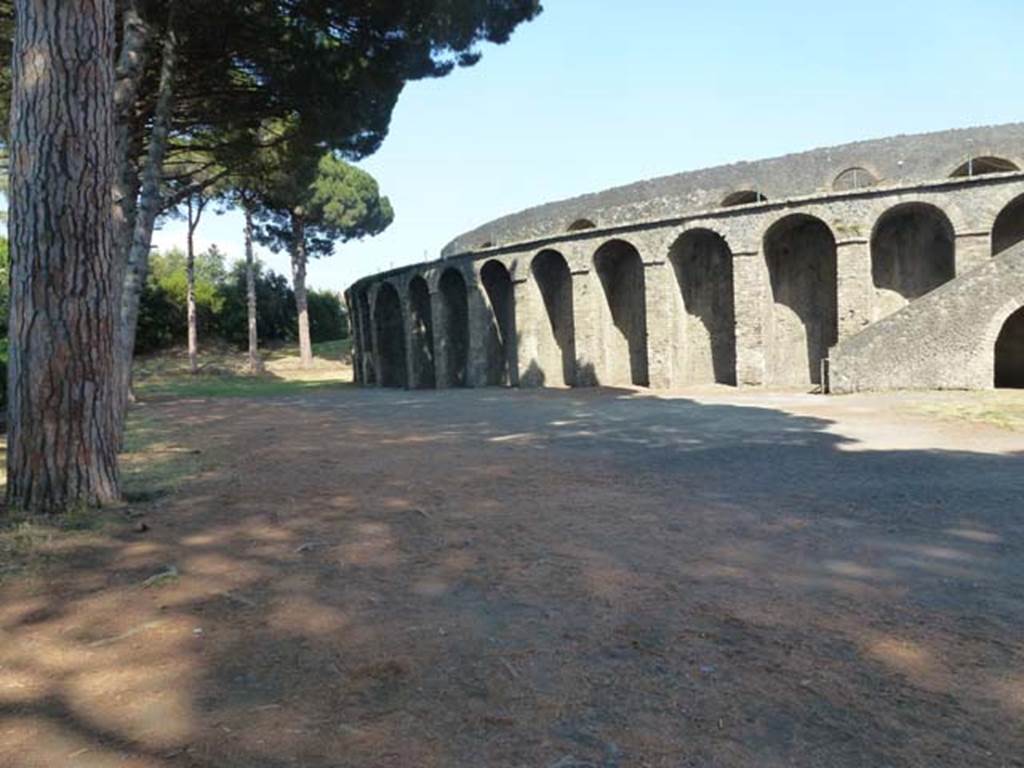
370, 578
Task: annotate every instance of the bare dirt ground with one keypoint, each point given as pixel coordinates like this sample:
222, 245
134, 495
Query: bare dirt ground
536, 579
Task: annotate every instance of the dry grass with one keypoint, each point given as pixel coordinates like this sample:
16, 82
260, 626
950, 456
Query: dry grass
224, 372
1000, 408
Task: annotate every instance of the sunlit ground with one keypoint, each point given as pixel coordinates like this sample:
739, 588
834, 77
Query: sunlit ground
484, 577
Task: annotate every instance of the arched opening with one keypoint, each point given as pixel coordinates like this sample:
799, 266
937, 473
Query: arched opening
422, 334
555, 362
1010, 353
743, 197
980, 166
1008, 229
912, 252
801, 256
581, 224
370, 375
624, 326
705, 337
455, 304
854, 178
501, 337
390, 337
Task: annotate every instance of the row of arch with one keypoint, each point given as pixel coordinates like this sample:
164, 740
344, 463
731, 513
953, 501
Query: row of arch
912, 249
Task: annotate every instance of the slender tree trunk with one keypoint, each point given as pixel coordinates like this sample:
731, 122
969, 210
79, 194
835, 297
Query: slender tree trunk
131, 69
195, 211
63, 406
250, 293
299, 283
150, 205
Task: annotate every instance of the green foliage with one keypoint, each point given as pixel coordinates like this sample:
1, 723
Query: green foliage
319, 200
163, 312
222, 304
275, 302
326, 317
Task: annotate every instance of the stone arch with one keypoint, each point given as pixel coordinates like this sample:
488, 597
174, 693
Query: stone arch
981, 166
913, 251
422, 334
800, 253
1008, 229
581, 224
387, 315
501, 336
624, 323
743, 197
1009, 353
854, 178
555, 362
706, 352
370, 373
455, 324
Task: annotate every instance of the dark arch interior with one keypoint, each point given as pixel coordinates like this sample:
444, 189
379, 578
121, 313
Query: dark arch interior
1009, 227
979, 166
801, 256
501, 337
702, 263
556, 344
422, 333
621, 271
1010, 353
743, 197
390, 337
854, 178
912, 251
456, 325
364, 322
581, 224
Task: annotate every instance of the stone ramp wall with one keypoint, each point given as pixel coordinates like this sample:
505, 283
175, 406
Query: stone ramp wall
943, 340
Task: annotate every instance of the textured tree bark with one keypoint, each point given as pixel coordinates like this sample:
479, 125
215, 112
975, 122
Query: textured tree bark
63, 405
299, 283
149, 208
250, 293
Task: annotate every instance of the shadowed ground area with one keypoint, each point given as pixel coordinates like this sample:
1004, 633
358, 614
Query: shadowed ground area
344, 577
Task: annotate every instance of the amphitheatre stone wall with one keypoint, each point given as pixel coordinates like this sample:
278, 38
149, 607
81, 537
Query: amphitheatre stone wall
751, 274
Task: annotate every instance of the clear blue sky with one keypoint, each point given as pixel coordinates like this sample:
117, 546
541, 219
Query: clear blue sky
596, 93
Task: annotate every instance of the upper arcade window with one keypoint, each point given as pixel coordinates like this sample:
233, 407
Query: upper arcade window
743, 197
979, 166
854, 178
486, 244
579, 224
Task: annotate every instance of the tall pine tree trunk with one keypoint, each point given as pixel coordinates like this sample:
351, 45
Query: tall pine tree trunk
250, 295
63, 407
299, 283
149, 208
195, 211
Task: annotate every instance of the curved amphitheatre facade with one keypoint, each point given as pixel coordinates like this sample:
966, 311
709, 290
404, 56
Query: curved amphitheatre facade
896, 263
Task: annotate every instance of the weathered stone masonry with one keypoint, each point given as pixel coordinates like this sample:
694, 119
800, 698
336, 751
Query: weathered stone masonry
840, 262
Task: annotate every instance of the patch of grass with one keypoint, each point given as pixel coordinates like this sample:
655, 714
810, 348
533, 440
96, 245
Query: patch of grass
1004, 408
223, 372
151, 465
26, 539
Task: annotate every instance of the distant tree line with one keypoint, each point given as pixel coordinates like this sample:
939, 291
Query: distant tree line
221, 309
